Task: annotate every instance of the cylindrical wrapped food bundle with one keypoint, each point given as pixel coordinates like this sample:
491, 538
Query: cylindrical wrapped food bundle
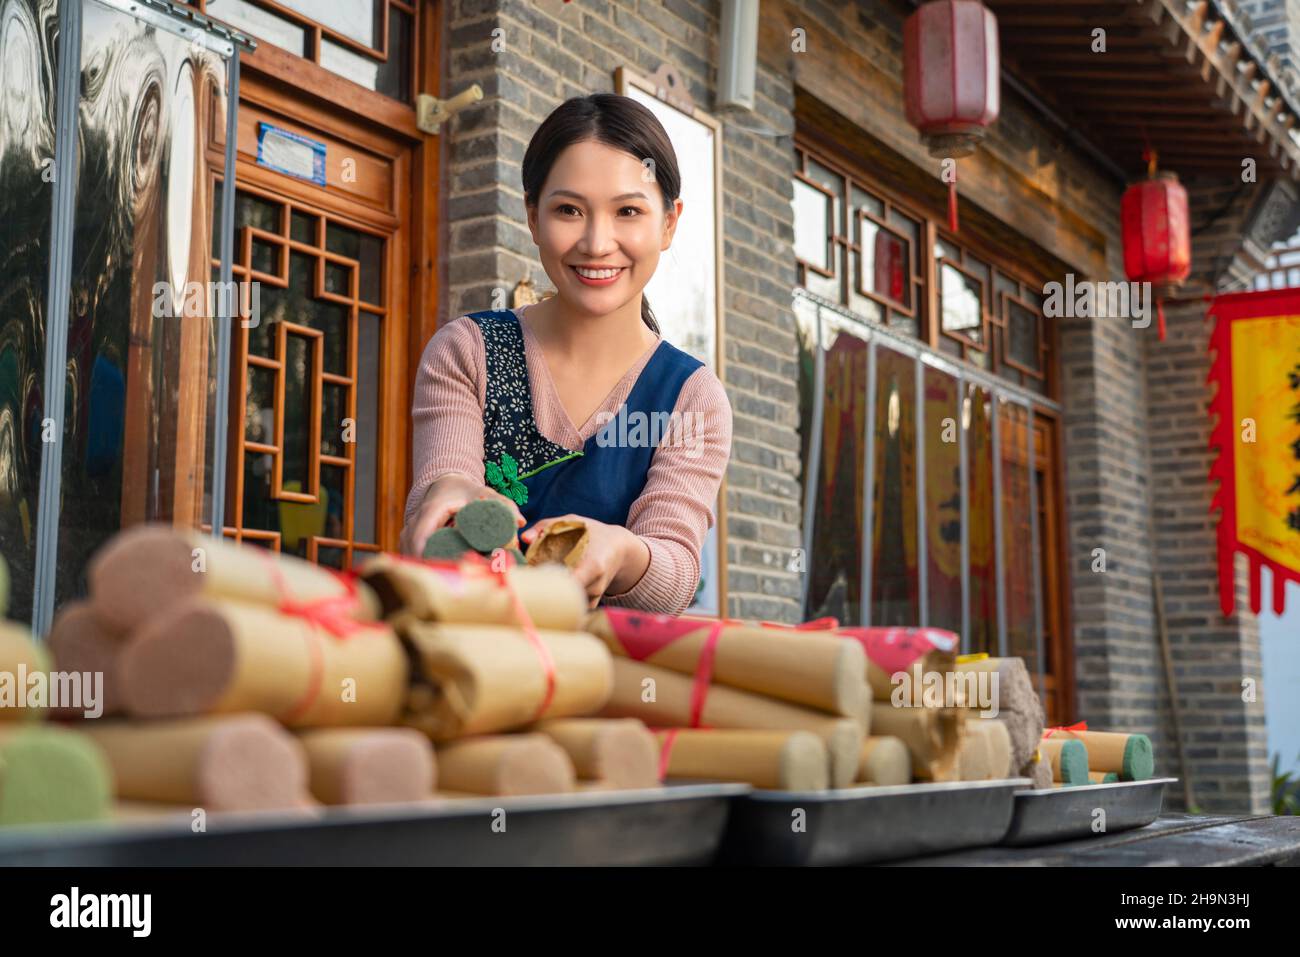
617, 752
369, 765
50, 775
472, 594
778, 760
205, 657
477, 679
168, 565
932, 735
667, 699
985, 753
817, 669
79, 641
914, 652
505, 764
885, 760
1068, 759
235, 762
1128, 755
19, 657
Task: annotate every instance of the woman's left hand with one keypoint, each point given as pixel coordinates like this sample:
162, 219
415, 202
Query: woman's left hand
613, 557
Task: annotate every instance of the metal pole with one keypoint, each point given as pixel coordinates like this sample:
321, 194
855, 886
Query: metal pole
963, 454
869, 492
230, 308
814, 457
1035, 554
922, 552
999, 567
57, 295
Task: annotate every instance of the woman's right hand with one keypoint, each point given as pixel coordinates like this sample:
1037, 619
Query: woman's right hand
441, 500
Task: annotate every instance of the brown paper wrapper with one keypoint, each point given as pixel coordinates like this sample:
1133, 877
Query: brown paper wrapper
551, 596
985, 751
369, 765
17, 650
505, 764
79, 641
616, 752
478, 679
563, 541
726, 707
885, 760
779, 760
816, 669
241, 762
204, 657
159, 561
932, 735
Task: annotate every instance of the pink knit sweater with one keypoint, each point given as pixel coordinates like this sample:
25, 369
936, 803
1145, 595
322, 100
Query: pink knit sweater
674, 510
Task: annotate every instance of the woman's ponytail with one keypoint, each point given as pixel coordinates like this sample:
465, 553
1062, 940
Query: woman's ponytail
648, 316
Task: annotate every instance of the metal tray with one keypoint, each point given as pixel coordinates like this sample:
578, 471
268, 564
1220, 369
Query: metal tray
867, 824
660, 826
1063, 814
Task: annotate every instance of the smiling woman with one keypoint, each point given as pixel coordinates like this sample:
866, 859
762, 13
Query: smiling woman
601, 188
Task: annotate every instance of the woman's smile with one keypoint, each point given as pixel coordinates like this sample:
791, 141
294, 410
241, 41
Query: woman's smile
598, 276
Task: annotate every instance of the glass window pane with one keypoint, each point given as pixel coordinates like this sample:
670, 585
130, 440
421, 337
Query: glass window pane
393, 78
139, 384
835, 571
828, 287
263, 24
864, 200
894, 576
812, 225
885, 264
333, 485
302, 227
25, 247
367, 427
961, 303
334, 409
368, 250
1022, 336
298, 381
835, 183
257, 212
358, 20
978, 416
259, 406
980, 269
1017, 537
906, 225
1005, 284
946, 250
942, 499
298, 304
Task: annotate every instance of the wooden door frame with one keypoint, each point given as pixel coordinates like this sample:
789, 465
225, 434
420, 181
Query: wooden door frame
276, 79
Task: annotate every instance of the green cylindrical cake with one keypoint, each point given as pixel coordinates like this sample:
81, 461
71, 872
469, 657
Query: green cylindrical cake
486, 524
446, 543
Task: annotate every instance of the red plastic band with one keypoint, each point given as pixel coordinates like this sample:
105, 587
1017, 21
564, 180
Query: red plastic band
666, 751
1081, 726
704, 673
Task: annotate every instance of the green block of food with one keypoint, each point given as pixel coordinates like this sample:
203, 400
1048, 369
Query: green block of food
1074, 763
1139, 759
486, 524
50, 775
446, 543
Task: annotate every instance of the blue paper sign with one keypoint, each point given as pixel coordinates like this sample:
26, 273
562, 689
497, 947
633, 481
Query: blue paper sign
290, 153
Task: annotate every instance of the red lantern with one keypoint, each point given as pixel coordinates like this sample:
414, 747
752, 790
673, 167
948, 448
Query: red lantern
1157, 238
951, 79
951, 74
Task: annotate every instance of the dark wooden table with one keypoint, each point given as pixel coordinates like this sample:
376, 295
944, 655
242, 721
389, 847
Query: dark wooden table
1177, 840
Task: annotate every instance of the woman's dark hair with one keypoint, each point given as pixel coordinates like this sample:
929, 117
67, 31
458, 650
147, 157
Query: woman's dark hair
616, 121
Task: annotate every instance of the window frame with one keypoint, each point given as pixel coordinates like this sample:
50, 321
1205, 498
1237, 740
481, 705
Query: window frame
1044, 456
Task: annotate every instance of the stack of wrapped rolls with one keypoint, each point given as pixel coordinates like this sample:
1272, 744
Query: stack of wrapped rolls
776, 707
246, 681
903, 665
